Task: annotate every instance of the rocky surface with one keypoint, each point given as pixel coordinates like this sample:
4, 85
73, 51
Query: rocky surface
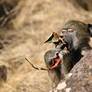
85, 4
80, 77
3, 73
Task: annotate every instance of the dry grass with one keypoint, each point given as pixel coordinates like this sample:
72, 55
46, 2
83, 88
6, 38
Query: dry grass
34, 22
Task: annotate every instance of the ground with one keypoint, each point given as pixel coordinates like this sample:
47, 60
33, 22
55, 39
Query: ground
32, 25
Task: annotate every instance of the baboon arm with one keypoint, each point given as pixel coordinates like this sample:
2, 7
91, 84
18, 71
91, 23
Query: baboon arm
57, 61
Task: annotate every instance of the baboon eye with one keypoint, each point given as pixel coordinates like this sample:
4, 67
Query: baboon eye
70, 30
64, 31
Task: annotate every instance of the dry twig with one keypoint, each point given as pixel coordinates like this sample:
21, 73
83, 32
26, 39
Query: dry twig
40, 68
8, 15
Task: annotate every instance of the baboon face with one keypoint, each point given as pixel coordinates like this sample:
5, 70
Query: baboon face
71, 37
77, 34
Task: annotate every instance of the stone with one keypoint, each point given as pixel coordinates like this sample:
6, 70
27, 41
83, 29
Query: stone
81, 79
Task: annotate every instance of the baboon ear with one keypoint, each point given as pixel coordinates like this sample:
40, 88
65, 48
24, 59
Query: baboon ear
90, 29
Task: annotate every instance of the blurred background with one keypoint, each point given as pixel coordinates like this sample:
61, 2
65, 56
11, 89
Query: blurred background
24, 26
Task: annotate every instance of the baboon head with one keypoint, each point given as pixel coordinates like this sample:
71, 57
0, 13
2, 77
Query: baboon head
71, 37
76, 34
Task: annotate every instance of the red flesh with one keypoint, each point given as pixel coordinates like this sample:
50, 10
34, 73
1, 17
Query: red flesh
57, 61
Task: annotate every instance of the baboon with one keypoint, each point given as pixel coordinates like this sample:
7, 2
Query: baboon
63, 67
76, 35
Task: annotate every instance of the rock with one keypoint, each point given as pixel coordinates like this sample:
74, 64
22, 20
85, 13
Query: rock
1, 46
3, 73
84, 4
80, 77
